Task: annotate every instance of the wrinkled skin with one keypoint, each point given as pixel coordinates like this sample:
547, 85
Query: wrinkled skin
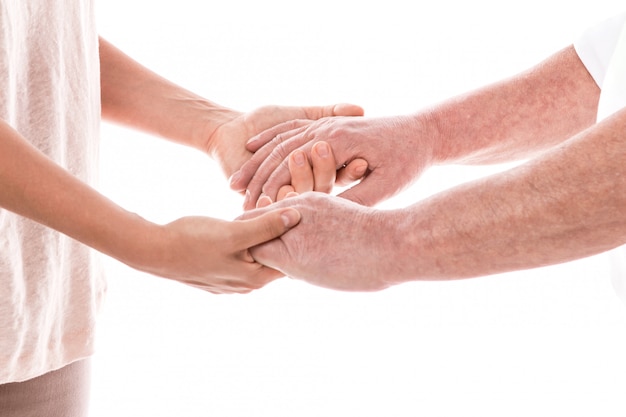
396, 150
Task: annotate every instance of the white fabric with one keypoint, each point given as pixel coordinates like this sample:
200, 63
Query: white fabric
613, 95
596, 46
603, 51
50, 286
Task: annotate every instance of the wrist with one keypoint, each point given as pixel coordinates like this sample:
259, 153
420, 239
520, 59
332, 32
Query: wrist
209, 124
431, 130
398, 248
135, 242
416, 253
420, 133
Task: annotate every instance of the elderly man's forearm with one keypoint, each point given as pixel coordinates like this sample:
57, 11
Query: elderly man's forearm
518, 117
565, 205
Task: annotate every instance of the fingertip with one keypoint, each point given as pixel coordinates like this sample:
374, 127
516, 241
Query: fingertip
248, 203
290, 217
263, 201
298, 157
235, 182
347, 109
284, 191
253, 144
322, 149
354, 171
357, 169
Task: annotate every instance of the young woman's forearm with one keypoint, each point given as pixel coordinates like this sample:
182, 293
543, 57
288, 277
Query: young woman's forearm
136, 97
33, 186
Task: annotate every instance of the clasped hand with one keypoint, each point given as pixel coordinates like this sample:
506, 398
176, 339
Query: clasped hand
213, 254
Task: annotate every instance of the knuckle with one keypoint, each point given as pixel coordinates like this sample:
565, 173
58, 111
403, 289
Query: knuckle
273, 228
277, 179
280, 152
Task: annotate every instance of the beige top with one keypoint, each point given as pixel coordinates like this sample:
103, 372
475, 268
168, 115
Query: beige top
50, 285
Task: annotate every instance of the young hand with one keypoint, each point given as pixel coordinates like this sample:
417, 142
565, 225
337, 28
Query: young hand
213, 254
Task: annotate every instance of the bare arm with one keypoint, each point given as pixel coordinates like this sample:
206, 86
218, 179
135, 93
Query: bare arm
136, 97
517, 117
512, 119
566, 204
204, 252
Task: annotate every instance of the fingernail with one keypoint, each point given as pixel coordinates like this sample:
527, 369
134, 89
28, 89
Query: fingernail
299, 158
322, 149
263, 201
234, 178
246, 199
291, 217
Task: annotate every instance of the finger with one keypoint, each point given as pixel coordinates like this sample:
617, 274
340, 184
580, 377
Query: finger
310, 113
264, 201
352, 172
268, 157
301, 172
268, 226
324, 167
271, 137
273, 172
341, 109
284, 191
266, 179
271, 254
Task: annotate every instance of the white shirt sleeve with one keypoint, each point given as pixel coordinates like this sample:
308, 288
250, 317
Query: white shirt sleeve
596, 49
596, 46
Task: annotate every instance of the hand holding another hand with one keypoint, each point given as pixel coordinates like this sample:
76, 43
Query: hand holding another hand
321, 249
396, 150
211, 254
226, 144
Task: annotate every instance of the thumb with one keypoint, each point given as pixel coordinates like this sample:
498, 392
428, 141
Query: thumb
272, 255
353, 172
341, 109
267, 226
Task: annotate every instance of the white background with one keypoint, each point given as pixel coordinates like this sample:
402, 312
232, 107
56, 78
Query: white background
548, 342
